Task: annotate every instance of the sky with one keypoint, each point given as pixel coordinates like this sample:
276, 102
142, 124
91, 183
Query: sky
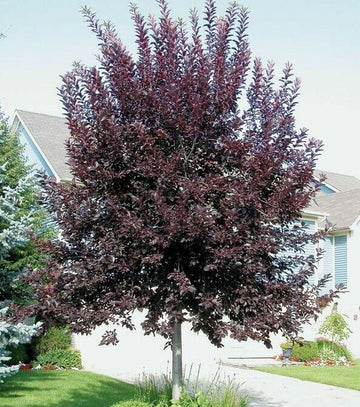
321, 38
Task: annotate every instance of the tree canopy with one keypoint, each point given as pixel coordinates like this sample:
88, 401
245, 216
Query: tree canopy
190, 178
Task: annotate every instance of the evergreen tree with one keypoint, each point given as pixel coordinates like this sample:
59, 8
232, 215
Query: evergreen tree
12, 334
22, 219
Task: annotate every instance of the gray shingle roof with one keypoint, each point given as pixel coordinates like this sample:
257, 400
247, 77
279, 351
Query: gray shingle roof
340, 182
343, 208
49, 133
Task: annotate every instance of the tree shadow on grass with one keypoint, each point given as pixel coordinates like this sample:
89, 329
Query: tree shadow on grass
63, 389
17, 386
103, 394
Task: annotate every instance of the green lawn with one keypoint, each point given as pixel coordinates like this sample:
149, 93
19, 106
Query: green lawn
341, 376
62, 389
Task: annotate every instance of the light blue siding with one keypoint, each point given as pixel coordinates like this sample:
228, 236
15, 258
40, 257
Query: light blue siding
32, 153
327, 263
340, 243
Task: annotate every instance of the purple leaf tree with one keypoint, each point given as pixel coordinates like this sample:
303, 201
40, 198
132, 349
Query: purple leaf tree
190, 178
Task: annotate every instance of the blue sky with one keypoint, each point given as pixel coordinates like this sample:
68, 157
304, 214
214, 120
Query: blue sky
321, 38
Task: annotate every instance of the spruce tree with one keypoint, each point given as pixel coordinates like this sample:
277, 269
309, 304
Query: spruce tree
12, 334
22, 222
22, 218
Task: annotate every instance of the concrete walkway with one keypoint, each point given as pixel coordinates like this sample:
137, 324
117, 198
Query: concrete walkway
269, 390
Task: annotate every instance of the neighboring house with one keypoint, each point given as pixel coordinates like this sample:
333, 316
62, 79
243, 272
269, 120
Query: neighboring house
337, 205
339, 199
43, 137
339, 202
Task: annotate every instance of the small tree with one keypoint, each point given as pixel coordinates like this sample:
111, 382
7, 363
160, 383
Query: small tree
335, 327
184, 203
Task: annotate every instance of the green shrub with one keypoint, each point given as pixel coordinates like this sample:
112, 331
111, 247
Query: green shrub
132, 403
327, 354
19, 353
307, 350
328, 348
54, 338
321, 349
63, 358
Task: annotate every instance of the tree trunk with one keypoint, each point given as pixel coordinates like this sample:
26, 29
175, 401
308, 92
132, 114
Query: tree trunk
176, 362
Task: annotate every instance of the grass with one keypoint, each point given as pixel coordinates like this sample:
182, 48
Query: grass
341, 376
53, 388
45, 388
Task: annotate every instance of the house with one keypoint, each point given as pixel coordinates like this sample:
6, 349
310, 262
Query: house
337, 205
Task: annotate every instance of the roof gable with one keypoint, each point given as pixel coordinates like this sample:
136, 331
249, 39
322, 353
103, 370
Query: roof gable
343, 208
49, 134
342, 204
